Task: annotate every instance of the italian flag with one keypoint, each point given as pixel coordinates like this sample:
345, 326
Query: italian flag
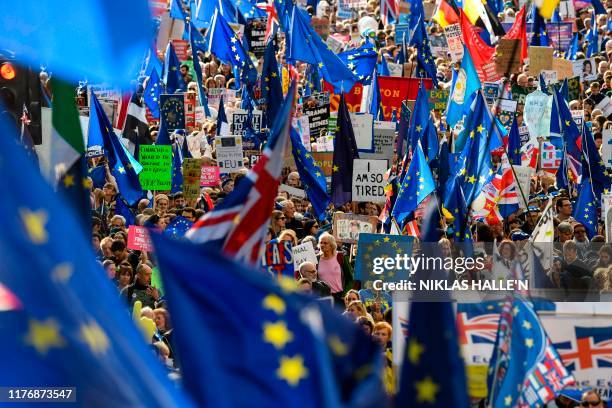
67, 144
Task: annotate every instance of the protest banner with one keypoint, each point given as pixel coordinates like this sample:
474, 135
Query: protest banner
560, 35
538, 107
453, 39
347, 227
438, 98
384, 142
255, 32
210, 176
190, 105
369, 180
239, 119
334, 44
277, 259
214, 96
508, 56
491, 91
156, 164
606, 147
523, 178
564, 68
325, 161
362, 128
316, 108
180, 48
192, 174
138, 239
229, 153
540, 58
304, 253
172, 109
292, 191
573, 87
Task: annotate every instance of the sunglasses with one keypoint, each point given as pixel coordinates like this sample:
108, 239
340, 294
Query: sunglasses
591, 403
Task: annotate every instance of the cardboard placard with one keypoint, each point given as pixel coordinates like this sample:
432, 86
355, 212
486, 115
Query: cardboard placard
304, 253
347, 227
229, 153
540, 58
210, 176
362, 128
369, 180
156, 164
138, 239
564, 68
192, 172
508, 56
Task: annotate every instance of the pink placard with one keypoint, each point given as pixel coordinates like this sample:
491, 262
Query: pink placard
138, 238
210, 176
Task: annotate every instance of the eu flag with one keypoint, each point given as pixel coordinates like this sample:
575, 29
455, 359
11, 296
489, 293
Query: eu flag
375, 109
304, 44
540, 36
433, 372
525, 369
464, 90
122, 165
422, 127
593, 167
586, 206
121, 208
592, 37
573, 48
172, 71
197, 43
417, 184
474, 167
426, 66
403, 129
66, 326
103, 41
177, 171
514, 144
240, 330
225, 44
311, 176
172, 107
271, 88
152, 92
345, 151
176, 10
178, 227
362, 61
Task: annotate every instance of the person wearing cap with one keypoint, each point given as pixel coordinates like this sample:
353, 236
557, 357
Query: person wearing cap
227, 185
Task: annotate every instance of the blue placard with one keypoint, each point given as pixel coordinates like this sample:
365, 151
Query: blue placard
172, 108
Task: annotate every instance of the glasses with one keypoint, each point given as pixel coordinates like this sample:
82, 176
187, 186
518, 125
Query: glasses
591, 403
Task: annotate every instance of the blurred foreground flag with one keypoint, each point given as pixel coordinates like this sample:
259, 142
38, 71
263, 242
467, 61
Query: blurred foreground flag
98, 40
62, 322
245, 340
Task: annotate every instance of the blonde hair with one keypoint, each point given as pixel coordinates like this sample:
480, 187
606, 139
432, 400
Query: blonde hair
330, 238
360, 306
288, 233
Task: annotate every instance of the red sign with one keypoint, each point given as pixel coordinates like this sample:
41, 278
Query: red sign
180, 47
210, 176
138, 238
393, 90
158, 7
190, 105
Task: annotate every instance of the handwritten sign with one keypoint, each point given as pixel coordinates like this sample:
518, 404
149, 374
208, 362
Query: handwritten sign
540, 58
138, 239
508, 56
362, 128
210, 176
369, 180
453, 39
229, 153
303, 253
278, 259
537, 113
192, 170
156, 171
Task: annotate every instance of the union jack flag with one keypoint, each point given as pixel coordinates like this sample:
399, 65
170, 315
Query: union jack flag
239, 224
477, 329
592, 349
273, 24
389, 11
546, 381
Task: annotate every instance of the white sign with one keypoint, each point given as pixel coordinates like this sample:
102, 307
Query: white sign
384, 142
395, 70
523, 178
369, 180
550, 76
303, 253
334, 44
606, 214
453, 39
239, 121
537, 113
296, 192
362, 128
229, 153
606, 148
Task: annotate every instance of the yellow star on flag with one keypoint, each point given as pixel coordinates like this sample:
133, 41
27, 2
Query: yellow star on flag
337, 346
68, 180
426, 390
386, 239
43, 335
62, 272
274, 303
508, 401
292, 370
34, 223
529, 343
414, 351
277, 334
93, 335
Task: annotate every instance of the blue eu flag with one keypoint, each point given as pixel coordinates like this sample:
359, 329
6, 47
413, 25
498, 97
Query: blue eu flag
514, 144
426, 66
311, 175
376, 108
122, 165
593, 167
362, 61
540, 36
304, 44
422, 127
66, 321
152, 93
176, 10
433, 372
172, 71
417, 184
586, 206
197, 42
177, 171
178, 227
345, 151
278, 347
271, 87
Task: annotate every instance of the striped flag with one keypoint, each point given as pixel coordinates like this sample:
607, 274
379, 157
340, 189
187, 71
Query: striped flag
389, 11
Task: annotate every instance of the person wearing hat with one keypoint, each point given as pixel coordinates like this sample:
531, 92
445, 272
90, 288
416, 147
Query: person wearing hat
227, 185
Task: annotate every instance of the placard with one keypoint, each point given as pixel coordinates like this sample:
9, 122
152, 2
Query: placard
550, 77
384, 142
540, 58
538, 107
606, 212
453, 39
292, 191
491, 91
523, 178
192, 173
438, 99
172, 110
255, 32
369, 180
190, 106
180, 48
277, 259
395, 70
347, 227
335, 45
156, 164
573, 88
229, 154
239, 119
564, 68
316, 108
606, 147
210, 176
138, 239
508, 56
362, 128
304, 253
